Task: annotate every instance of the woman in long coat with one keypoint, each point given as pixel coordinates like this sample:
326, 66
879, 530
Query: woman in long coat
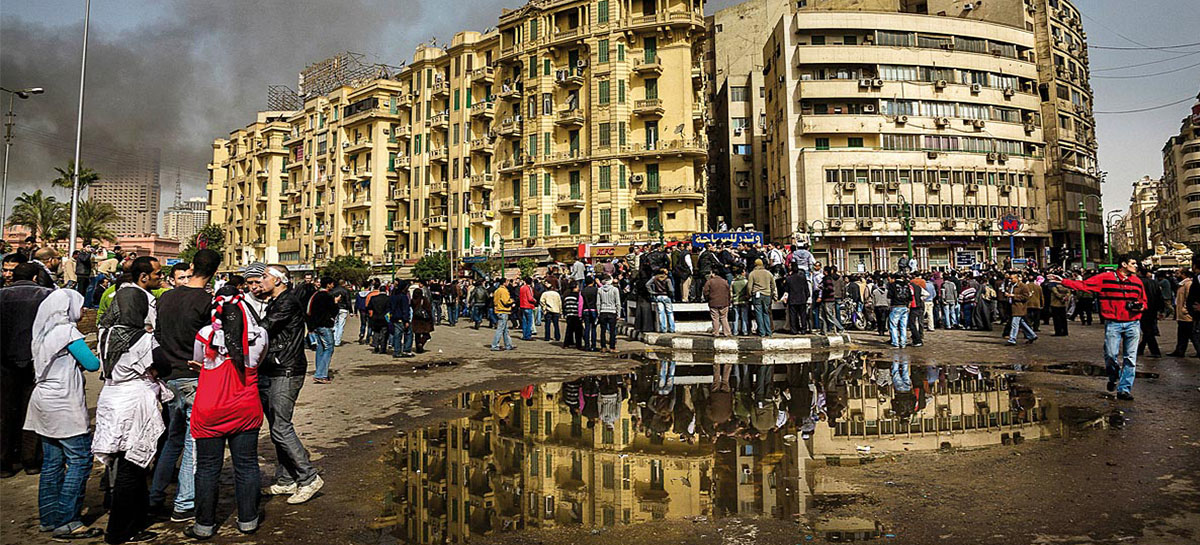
422, 322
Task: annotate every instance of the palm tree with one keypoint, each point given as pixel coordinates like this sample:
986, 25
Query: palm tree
94, 220
42, 214
87, 176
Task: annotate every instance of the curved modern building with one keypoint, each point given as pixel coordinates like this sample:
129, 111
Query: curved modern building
893, 125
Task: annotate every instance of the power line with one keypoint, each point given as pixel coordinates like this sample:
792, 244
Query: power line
1168, 59
1144, 48
1113, 30
1117, 112
1149, 75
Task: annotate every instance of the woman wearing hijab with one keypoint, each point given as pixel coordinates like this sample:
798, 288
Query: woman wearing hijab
422, 318
58, 414
227, 410
128, 413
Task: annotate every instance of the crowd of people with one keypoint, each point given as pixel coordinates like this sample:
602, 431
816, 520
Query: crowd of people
190, 368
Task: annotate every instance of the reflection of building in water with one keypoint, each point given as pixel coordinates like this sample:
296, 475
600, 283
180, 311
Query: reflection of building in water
677, 440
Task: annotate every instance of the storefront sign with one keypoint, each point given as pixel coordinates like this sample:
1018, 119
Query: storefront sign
604, 251
964, 259
737, 238
1010, 224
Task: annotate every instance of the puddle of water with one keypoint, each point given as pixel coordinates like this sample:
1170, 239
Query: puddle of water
684, 437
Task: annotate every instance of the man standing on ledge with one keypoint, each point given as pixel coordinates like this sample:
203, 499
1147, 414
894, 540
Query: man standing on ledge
1122, 301
280, 378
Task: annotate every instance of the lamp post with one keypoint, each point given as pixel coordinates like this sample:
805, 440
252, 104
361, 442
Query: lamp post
1108, 225
906, 218
87, 11
1083, 227
500, 238
13, 94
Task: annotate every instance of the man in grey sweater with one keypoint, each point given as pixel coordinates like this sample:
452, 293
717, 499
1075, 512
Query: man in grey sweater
608, 303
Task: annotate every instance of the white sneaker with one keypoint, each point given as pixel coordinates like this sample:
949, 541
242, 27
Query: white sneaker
306, 492
281, 489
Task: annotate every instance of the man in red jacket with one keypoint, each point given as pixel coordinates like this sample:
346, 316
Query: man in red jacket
1122, 301
527, 303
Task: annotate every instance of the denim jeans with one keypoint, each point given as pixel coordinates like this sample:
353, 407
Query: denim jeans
179, 446
741, 319
478, 313
589, 329
967, 315
950, 311
537, 316
527, 324
762, 314
898, 325
437, 311
66, 464
452, 313
608, 325
362, 326
901, 377
339, 326
325, 339
501, 333
666, 313
402, 338
551, 319
210, 456
1120, 352
278, 396
830, 321
1019, 324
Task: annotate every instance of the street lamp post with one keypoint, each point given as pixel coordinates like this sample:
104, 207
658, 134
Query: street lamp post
1083, 227
1108, 225
13, 94
906, 217
87, 11
500, 238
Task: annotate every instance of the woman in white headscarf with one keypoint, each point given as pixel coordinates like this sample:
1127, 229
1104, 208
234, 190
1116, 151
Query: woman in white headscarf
58, 414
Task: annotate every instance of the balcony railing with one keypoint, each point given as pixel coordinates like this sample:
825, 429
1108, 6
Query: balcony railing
510, 206
439, 154
572, 200
484, 180
678, 192
441, 88
485, 73
572, 116
482, 145
439, 221
401, 194
439, 187
648, 64
483, 109
649, 107
509, 126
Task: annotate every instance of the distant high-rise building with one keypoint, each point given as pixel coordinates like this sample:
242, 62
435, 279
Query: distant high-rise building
183, 220
1178, 212
133, 189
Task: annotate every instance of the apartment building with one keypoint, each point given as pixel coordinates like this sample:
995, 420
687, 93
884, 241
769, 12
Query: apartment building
246, 180
737, 120
1140, 217
905, 124
1178, 210
132, 188
1069, 128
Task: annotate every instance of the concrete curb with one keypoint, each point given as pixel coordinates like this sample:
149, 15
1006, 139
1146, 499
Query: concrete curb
802, 343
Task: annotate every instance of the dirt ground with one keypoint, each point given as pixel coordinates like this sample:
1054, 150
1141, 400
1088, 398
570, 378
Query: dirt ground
1132, 480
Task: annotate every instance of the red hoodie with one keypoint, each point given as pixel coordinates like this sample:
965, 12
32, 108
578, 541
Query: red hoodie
526, 295
1114, 293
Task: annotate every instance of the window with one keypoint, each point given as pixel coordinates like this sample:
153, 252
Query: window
604, 92
739, 94
533, 185
533, 225
546, 66
533, 67
620, 51
605, 135
602, 51
620, 91
621, 133
822, 143
739, 123
546, 181
602, 12
624, 220
850, 40
606, 222
573, 221
743, 202
621, 177
742, 149
547, 103
533, 28
546, 223
652, 178
651, 88
456, 99
818, 40
605, 178
854, 142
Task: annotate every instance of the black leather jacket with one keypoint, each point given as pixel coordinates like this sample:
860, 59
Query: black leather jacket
285, 327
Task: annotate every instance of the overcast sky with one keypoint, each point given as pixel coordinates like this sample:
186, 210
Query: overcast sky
174, 74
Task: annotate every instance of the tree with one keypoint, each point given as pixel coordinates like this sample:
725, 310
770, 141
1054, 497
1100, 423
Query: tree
94, 220
87, 176
432, 266
527, 266
42, 214
350, 268
212, 236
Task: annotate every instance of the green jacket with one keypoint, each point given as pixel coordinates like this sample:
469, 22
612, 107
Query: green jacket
739, 290
761, 281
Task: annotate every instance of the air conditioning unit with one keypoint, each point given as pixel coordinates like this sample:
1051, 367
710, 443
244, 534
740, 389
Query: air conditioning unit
1009, 91
931, 154
877, 82
1029, 127
933, 186
864, 83
865, 224
1006, 188
636, 178
893, 186
835, 224
743, 183
975, 87
1002, 157
968, 6
942, 121
946, 45
737, 131
901, 119
560, 75
850, 186
581, 63
978, 123
869, 38
948, 225
940, 84
985, 224
345, 168
869, 109
345, 145
991, 156
972, 188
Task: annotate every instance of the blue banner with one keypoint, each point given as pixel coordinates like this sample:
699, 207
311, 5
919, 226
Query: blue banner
736, 238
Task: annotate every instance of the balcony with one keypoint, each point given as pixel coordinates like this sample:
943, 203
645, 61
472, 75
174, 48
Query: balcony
362, 200
263, 174
400, 224
482, 145
678, 193
401, 194
439, 154
485, 109
570, 118
402, 132
697, 148
260, 219
509, 126
510, 92
484, 74
480, 216
510, 206
362, 173
648, 65
485, 180
573, 156
649, 107
441, 88
404, 100
402, 162
574, 201
569, 78
320, 231
436, 222
438, 188
513, 164
652, 22
289, 165
440, 120
355, 147
368, 115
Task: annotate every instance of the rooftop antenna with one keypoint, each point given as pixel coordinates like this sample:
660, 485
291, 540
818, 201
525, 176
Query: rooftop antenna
178, 189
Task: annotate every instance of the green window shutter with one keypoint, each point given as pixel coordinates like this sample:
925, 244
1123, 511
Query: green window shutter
605, 178
602, 51
576, 189
533, 67
620, 52
466, 238
392, 161
546, 141
602, 11
621, 176
546, 184
604, 92
417, 144
546, 224
468, 97
573, 221
546, 66
516, 230
533, 185
652, 178
533, 29
605, 134
652, 88
456, 100
624, 220
606, 221
533, 225
621, 133
533, 145
620, 91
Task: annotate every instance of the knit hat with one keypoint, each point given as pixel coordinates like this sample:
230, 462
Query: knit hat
255, 270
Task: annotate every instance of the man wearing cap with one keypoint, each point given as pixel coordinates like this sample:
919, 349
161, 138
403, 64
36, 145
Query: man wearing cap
257, 299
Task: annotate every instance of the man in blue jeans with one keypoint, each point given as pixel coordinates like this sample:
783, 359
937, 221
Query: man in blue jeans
502, 303
1122, 299
322, 316
900, 298
1020, 301
400, 313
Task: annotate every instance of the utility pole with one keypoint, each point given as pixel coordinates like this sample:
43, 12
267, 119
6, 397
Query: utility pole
87, 11
13, 94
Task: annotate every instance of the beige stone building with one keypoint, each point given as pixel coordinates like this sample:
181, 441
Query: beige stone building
1139, 220
573, 121
132, 188
905, 118
1178, 218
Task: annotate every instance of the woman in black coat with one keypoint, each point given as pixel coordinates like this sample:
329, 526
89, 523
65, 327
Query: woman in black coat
422, 323
1149, 321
